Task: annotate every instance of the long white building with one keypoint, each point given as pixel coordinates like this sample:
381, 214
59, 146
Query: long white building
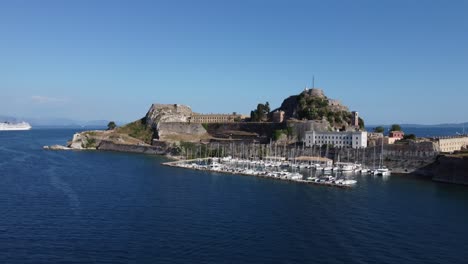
357, 139
451, 144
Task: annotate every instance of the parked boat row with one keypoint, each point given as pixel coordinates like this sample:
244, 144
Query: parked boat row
245, 167
341, 167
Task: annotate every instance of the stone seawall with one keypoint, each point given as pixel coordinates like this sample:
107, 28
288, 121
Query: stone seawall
110, 146
449, 169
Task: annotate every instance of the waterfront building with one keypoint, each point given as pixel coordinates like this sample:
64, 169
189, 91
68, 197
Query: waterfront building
394, 136
451, 144
350, 139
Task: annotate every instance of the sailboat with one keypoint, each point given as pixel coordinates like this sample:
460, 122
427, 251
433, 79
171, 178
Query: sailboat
382, 170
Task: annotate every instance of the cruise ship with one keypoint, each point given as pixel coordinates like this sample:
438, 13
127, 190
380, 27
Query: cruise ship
14, 126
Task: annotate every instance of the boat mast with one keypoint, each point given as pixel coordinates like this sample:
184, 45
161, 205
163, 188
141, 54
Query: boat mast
381, 156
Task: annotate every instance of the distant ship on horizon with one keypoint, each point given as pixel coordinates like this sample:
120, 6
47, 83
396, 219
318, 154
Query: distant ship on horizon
4, 126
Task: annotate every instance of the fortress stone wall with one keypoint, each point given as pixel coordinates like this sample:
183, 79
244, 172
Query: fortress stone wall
214, 118
175, 131
315, 92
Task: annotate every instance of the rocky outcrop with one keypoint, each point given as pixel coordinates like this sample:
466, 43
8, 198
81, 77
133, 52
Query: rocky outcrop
78, 141
167, 113
56, 147
86, 140
312, 104
289, 106
171, 122
93, 139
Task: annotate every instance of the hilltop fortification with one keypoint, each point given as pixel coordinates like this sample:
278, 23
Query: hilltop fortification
167, 113
313, 104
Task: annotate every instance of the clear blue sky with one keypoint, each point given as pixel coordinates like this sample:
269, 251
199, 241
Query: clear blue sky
393, 61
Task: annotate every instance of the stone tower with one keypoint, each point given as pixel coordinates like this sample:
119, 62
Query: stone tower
315, 92
355, 119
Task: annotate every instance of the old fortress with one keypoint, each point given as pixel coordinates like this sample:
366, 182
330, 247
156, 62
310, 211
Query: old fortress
177, 113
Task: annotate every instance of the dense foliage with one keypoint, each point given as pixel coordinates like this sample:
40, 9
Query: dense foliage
361, 123
395, 127
317, 108
379, 129
111, 125
261, 113
410, 136
312, 108
289, 132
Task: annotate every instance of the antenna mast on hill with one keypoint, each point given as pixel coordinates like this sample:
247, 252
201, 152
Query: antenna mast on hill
313, 81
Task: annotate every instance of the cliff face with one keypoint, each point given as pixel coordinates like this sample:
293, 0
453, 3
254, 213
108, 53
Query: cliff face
289, 106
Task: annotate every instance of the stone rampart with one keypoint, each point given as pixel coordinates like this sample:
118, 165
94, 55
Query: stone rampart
170, 131
144, 149
247, 131
301, 127
450, 169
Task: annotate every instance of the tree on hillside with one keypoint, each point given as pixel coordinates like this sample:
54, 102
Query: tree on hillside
395, 127
361, 123
253, 116
410, 136
111, 125
379, 129
261, 113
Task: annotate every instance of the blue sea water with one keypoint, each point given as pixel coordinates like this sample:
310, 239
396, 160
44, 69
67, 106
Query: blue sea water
434, 131
428, 131
105, 207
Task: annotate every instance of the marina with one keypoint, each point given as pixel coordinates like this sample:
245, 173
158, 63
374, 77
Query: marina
341, 175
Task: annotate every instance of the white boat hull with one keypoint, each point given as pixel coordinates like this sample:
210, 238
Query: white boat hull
14, 126
14, 129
